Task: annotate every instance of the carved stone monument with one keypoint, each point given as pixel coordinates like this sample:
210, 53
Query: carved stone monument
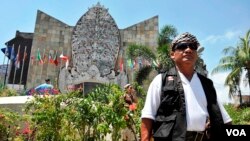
96, 43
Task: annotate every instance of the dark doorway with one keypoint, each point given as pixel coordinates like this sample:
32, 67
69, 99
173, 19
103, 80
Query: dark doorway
88, 86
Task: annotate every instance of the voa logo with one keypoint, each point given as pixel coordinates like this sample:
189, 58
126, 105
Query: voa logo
236, 132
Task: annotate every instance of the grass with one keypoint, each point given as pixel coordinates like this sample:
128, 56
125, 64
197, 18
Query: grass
239, 115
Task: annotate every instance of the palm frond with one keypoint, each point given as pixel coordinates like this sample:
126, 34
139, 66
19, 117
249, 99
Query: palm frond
227, 59
229, 50
222, 68
167, 33
135, 50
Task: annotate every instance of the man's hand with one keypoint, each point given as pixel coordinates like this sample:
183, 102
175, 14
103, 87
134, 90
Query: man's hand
146, 129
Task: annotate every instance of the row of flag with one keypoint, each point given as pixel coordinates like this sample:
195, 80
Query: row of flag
135, 64
50, 58
16, 58
19, 57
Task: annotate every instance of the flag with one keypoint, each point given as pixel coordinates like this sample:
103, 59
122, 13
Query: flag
55, 59
12, 55
65, 58
7, 51
38, 57
51, 59
130, 64
121, 65
17, 60
134, 64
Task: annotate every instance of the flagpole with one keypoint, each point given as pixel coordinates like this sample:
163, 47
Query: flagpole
42, 64
6, 72
36, 65
20, 82
15, 67
56, 81
60, 62
60, 66
5, 53
48, 67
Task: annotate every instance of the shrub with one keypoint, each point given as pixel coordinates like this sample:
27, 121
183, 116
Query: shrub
239, 115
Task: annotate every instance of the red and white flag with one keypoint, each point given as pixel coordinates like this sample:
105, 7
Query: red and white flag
66, 59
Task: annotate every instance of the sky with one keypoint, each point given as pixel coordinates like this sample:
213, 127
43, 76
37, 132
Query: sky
216, 23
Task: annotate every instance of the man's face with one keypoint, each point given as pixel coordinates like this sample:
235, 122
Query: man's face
130, 89
184, 54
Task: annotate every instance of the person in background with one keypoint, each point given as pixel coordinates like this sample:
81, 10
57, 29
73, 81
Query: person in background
130, 99
181, 104
45, 87
130, 95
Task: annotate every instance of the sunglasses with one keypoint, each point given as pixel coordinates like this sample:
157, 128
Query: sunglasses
184, 46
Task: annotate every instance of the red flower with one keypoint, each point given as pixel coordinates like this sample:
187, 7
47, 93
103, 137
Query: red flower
132, 107
26, 129
2, 116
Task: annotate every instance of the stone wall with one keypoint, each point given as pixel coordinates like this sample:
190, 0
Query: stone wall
50, 36
143, 33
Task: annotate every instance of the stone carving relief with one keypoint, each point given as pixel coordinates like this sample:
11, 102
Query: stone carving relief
95, 48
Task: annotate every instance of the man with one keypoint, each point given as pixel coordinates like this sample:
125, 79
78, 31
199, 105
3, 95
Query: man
45, 87
130, 95
181, 104
130, 99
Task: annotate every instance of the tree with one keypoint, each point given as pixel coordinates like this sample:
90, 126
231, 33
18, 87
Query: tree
236, 59
166, 35
244, 54
144, 53
158, 61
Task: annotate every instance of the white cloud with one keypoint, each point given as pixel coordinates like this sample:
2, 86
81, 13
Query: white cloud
222, 91
226, 36
230, 34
